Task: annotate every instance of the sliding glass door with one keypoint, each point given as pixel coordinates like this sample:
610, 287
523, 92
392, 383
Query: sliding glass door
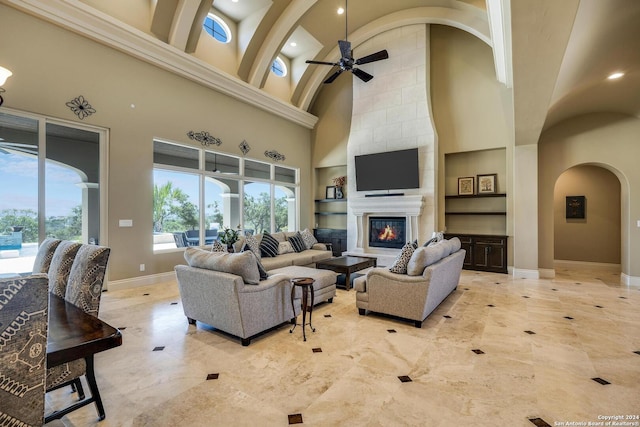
50, 173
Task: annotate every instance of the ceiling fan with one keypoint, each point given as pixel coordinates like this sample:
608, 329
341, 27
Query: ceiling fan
346, 62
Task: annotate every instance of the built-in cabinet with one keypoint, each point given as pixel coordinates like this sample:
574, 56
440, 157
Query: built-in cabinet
478, 220
330, 215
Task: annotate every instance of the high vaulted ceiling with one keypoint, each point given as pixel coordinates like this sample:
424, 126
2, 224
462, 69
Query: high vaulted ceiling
555, 54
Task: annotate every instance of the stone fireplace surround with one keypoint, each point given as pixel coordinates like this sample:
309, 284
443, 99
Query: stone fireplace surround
409, 207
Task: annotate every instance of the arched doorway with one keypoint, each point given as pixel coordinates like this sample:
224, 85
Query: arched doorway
587, 219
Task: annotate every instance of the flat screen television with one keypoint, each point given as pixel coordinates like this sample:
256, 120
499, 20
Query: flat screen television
392, 170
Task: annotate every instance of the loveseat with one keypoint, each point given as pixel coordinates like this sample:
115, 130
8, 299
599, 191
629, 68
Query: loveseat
226, 291
432, 274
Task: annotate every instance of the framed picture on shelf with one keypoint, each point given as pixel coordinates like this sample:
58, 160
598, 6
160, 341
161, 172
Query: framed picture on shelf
487, 183
466, 186
331, 192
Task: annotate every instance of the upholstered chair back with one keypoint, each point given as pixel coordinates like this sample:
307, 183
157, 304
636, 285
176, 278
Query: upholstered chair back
61, 266
45, 254
86, 278
23, 349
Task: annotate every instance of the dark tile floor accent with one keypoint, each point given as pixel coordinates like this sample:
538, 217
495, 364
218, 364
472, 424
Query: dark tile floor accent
578, 283
391, 331
554, 289
174, 303
490, 305
405, 378
160, 348
530, 332
622, 297
122, 328
295, 419
478, 351
599, 306
568, 317
145, 295
539, 422
317, 350
327, 315
446, 316
637, 352
497, 283
601, 381
212, 377
525, 296
466, 289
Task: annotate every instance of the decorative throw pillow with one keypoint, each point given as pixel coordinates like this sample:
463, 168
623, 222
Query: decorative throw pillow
455, 244
401, 262
261, 271
430, 241
218, 247
269, 246
285, 248
309, 238
251, 242
241, 264
297, 243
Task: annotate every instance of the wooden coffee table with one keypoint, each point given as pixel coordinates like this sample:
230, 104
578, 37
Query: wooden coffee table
347, 265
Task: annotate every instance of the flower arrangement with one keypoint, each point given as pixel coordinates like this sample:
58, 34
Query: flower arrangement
340, 181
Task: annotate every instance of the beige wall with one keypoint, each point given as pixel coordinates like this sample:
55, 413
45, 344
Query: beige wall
607, 140
596, 238
52, 66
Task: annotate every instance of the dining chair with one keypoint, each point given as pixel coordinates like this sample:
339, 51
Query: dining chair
84, 289
23, 349
61, 264
44, 255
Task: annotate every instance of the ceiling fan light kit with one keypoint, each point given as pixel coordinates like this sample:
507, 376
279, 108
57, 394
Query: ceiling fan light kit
346, 62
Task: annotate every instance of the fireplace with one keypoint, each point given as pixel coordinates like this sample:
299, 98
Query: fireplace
387, 232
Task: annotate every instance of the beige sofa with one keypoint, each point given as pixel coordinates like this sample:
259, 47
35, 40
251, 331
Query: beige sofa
434, 273
224, 291
306, 258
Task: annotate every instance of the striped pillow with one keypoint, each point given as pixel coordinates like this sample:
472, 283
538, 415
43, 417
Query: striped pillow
269, 246
297, 243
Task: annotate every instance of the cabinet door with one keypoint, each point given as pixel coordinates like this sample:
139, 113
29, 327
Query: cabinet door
466, 244
490, 254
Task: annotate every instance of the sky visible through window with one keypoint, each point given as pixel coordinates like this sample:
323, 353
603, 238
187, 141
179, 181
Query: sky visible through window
19, 185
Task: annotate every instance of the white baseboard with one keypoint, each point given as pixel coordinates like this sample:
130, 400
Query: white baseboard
547, 273
136, 282
585, 265
522, 273
630, 280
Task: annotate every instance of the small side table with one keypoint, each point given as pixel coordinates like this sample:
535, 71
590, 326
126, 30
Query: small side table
306, 285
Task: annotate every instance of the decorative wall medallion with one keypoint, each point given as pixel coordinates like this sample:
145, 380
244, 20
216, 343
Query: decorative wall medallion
80, 107
274, 155
244, 147
204, 138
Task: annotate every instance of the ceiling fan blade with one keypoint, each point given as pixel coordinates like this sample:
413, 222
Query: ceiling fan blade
322, 63
333, 76
364, 76
378, 56
345, 48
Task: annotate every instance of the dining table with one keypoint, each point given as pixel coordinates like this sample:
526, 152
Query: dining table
74, 334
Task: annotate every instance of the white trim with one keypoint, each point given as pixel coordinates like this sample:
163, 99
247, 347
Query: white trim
584, 265
523, 273
136, 282
630, 280
547, 273
95, 25
499, 13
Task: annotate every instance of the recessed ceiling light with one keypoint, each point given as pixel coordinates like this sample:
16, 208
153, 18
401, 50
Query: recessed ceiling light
293, 44
615, 76
234, 1
340, 11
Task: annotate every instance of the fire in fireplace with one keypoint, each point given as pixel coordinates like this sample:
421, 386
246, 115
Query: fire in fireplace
387, 232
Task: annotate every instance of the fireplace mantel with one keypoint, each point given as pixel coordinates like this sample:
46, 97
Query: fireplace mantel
409, 207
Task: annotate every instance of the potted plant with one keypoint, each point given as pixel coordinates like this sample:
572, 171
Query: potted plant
339, 183
229, 236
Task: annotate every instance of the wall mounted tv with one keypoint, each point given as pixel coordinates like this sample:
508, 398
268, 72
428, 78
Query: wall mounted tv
392, 170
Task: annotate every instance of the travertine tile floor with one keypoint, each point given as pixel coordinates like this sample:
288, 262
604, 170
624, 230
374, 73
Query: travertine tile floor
544, 374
